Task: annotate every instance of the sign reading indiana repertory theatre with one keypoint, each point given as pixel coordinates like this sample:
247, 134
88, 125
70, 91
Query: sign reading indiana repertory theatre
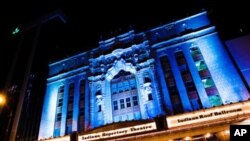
205, 115
65, 138
118, 132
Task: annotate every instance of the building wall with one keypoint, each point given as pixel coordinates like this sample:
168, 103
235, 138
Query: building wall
136, 65
239, 48
178, 67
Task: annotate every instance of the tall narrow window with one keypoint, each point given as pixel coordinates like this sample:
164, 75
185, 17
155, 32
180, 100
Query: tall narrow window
70, 109
122, 104
99, 100
99, 108
115, 105
148, 87
81, 122
171, 85
128, 103
132, 83
135, 101
58, 117
208, 83
188, 81
114, 88
150, 97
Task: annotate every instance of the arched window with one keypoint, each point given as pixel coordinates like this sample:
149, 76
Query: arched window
147, 86
99, 100
124, 97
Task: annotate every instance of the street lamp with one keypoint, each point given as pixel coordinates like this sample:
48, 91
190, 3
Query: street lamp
2, 99
5, 116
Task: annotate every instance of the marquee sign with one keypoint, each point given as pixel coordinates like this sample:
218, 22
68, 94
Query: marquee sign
65, 138
118, 132
206, 115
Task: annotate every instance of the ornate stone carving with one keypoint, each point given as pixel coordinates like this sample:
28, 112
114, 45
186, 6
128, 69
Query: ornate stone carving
134, 54
147, 87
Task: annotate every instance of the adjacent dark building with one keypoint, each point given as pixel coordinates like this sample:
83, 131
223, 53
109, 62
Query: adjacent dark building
25, 84
240, 50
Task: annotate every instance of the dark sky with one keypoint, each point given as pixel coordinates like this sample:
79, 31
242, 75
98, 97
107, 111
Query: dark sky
88, 22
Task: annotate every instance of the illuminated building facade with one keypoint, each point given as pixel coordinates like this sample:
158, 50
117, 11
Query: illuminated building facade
176, 68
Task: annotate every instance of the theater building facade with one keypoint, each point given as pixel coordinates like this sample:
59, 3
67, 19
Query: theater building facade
173, 82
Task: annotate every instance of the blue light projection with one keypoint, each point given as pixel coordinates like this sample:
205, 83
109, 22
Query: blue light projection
48, 113
222, 70
156, 75
103, 99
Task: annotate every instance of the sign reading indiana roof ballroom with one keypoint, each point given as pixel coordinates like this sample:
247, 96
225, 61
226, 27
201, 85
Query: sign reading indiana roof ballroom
216, 113
119, 132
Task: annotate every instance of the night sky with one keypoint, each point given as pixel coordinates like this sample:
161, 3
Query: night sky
88, 23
